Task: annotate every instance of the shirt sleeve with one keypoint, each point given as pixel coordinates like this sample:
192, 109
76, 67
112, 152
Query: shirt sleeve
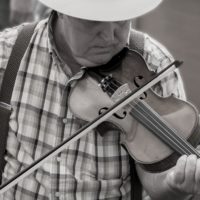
158, 57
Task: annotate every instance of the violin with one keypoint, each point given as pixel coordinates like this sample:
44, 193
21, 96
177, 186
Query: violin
156, 130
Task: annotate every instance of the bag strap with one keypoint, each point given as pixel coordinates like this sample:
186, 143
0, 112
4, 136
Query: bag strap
17, 53
12, 67
136, 186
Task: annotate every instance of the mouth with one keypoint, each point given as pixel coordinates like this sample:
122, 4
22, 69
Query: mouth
106, 46
104, 49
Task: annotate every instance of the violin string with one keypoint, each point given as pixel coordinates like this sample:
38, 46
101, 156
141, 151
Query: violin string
155, 126
166, 133
172, 136
150, 126
170, 132
175, 137
169, 127
134, 108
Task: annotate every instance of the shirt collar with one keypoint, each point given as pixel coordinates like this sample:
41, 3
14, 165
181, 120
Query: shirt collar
52, 46
54, 52
50, 32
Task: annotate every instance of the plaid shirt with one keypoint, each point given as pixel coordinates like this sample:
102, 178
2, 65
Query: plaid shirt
94, 167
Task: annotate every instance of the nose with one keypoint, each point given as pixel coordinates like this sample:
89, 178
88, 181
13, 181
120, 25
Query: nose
107, 32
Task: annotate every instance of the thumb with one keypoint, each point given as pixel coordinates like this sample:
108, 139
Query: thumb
170, 177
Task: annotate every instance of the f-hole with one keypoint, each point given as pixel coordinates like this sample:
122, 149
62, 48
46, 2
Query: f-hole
138, 80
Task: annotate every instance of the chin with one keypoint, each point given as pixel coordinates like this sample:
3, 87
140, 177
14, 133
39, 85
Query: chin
102, 59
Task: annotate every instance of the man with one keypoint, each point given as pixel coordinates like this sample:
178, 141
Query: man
81, 33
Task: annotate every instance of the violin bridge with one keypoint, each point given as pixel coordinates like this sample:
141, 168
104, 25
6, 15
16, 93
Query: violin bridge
121, 92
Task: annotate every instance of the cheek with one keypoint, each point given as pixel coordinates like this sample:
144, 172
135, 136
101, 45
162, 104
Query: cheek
77, 39
81, 44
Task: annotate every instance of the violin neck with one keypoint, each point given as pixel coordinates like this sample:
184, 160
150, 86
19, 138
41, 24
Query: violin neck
143, 113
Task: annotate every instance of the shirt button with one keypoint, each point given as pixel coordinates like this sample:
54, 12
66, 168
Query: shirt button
64, 120
58, 159
57, 194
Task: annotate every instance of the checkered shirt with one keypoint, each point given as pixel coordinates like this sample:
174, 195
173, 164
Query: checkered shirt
94, 167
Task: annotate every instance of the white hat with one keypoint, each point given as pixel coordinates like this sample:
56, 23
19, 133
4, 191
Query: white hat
103, 10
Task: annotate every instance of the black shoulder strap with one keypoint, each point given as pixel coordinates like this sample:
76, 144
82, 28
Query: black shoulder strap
17, 53
136, 187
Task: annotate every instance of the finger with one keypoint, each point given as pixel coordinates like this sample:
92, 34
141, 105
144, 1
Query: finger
197, 177
190, 170
179, 171
177, 175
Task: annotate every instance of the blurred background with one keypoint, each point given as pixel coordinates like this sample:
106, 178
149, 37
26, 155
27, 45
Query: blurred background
176, 24
14, 12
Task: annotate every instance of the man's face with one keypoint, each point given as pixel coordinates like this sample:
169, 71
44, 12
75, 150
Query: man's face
95, 43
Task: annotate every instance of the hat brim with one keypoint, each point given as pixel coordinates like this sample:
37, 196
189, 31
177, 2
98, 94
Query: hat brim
103, 10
